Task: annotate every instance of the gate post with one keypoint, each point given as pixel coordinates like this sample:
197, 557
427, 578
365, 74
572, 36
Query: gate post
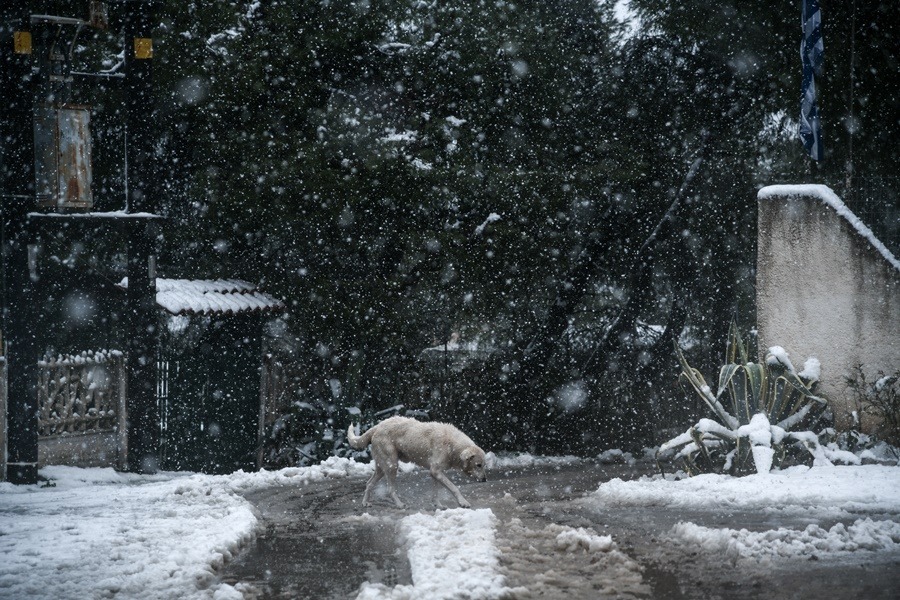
3, 380
142, 409
17, 197
120, 389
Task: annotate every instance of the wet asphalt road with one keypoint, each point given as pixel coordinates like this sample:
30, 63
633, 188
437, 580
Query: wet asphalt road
315, 544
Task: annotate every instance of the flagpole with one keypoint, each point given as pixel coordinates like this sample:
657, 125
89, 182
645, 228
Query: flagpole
811, 54
848, 184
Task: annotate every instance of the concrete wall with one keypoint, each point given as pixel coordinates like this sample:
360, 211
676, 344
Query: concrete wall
826, 288
95, 449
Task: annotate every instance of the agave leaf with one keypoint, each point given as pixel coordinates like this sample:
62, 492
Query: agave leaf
740, 396
726, 375
746, 387
729, 460
700, 386
691, 467
681, 440
772, 392
706, 465
818, 409
782, 404
802, 387
794, 395
742, 456
778, 457
736, 353
795, 417
758, 379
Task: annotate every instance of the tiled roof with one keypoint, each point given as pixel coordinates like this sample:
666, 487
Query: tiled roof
212, 297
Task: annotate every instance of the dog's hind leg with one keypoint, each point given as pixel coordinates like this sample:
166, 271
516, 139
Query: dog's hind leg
387, 460
392, 483
370, 485
443, 480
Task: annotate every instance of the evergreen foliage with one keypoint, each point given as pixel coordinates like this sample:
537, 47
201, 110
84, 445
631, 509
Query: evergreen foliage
401, 170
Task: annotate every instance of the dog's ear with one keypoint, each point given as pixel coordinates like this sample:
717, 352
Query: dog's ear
467, 455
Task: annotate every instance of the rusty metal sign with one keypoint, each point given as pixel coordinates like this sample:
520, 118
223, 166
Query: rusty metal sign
143, 48
22, 42
62, 156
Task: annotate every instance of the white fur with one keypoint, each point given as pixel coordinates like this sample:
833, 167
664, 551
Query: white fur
433, 446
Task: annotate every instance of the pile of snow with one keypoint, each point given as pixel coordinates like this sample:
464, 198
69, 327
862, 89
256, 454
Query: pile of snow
813, 541
518, 460
333, 467
572, 540
615, 456
852, 488
452, 554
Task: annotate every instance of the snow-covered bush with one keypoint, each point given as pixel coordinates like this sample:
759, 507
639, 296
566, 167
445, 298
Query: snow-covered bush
869, 448
879, 399
757, 408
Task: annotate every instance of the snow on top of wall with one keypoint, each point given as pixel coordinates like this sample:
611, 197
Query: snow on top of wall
211, 296
826, 195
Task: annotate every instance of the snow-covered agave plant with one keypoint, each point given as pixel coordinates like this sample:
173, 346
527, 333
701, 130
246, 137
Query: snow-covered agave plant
756, 407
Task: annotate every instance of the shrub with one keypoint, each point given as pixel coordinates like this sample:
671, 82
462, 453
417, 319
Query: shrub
757, 408
879, 399
311, 432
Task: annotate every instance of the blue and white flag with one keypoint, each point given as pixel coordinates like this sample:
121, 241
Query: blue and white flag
811, 52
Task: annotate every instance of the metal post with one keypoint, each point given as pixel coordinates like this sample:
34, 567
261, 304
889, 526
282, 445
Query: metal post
143, 412
17, 196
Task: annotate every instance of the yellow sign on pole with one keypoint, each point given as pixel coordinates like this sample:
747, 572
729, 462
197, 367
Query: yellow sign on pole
143, 48
22, 42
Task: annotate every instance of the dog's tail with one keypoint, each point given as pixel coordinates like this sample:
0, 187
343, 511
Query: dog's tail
359, 442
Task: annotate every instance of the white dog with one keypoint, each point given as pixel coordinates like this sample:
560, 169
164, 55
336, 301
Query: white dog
433, 446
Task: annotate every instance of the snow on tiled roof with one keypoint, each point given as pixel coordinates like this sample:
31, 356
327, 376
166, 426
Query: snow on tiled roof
211, 297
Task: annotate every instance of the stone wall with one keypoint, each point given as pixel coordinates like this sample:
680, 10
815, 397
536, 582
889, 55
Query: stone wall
826, 288
94, 449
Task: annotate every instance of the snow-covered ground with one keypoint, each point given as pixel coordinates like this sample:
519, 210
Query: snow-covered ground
97, 533
867, 496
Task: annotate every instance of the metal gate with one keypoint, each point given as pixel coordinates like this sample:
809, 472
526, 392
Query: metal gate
209, 404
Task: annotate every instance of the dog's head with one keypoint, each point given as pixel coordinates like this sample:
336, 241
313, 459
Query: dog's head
473, 463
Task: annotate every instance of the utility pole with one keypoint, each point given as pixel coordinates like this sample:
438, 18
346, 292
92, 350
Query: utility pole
851, 121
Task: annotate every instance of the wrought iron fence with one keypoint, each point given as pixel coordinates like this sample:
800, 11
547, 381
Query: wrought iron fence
80, 393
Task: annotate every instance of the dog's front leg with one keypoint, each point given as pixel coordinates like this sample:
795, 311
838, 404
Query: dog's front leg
440, 477
435, 498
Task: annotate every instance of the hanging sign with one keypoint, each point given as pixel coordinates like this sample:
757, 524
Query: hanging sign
22, 42
143, 48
